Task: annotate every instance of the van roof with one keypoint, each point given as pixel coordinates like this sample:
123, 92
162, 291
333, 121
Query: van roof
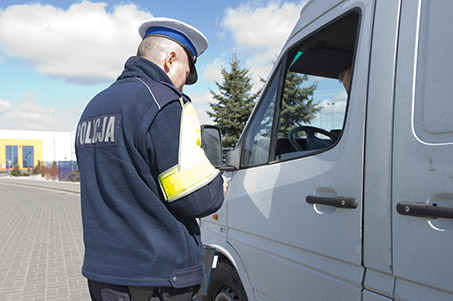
311, 11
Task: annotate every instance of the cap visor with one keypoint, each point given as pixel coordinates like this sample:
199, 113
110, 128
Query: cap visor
193, 76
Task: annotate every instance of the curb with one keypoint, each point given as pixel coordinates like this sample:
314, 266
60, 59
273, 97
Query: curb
71, 187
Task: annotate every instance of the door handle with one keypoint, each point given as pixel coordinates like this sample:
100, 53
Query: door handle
339, 202
423, 210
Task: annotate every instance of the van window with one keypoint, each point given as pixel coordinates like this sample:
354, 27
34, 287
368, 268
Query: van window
315, 92
310, 106
433, 107
259, 132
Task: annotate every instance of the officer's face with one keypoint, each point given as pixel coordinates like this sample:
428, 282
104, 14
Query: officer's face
180, 70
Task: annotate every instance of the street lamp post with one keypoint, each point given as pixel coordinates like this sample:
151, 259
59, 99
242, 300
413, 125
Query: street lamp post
331, 104
72, 146
54, 151
320, 113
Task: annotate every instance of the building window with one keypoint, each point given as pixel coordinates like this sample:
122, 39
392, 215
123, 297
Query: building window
27, 156
11, 155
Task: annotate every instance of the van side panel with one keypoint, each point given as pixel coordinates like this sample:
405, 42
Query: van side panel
423, 148
370, 296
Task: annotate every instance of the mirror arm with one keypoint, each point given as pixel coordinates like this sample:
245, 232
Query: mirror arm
233, 159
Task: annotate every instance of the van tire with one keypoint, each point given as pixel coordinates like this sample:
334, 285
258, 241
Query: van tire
225, 284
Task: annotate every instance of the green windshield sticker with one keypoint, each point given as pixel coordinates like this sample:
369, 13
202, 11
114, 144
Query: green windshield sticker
299, 53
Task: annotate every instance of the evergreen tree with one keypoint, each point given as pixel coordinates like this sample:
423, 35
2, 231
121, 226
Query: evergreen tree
37, 169
297, 107
234, 102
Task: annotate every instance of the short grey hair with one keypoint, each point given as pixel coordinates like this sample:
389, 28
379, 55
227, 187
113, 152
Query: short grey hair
154, 48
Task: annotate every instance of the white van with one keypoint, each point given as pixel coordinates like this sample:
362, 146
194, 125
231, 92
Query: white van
352, 200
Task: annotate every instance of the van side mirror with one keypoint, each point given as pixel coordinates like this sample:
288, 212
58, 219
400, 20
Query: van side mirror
211, 143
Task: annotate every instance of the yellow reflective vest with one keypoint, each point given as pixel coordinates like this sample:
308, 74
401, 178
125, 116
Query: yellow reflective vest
194, 170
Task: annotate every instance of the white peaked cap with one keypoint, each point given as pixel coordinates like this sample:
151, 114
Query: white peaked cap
190, 38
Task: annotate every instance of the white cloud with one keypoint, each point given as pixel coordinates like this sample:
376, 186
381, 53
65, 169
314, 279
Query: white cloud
201, 103
213, 71
4, 106
341, 96
203, 117
201, 99
261, 32
29, 115
262, 27
332, 113
83, 44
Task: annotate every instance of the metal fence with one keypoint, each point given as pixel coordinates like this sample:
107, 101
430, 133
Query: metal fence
67, 170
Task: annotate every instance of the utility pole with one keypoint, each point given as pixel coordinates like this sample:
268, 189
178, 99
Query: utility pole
54, 149
331, 104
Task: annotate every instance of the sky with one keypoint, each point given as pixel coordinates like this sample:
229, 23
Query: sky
56, 55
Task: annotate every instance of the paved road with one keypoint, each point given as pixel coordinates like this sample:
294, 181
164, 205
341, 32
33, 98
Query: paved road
41, 248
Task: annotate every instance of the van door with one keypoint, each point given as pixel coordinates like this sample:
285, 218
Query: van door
295, 204
422, 193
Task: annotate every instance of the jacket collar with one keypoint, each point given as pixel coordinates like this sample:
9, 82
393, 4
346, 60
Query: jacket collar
137, 66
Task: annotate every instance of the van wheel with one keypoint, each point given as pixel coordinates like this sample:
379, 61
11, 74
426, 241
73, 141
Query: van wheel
225, 284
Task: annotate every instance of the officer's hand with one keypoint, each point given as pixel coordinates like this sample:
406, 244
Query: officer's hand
225, 184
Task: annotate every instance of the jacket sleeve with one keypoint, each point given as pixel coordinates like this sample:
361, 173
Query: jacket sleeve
163, 144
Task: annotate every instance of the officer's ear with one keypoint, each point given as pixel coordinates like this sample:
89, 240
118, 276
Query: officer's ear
169, 61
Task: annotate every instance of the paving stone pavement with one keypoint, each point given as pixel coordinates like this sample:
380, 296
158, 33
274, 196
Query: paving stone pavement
41, 247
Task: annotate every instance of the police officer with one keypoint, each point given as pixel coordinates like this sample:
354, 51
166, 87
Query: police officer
144, 177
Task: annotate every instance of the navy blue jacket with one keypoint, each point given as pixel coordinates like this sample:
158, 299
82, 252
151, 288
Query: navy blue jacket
125, 139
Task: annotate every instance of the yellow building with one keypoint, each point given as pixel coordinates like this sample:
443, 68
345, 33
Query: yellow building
24, 152
27, 147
